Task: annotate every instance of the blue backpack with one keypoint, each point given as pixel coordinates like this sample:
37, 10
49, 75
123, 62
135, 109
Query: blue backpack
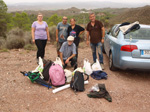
99, 75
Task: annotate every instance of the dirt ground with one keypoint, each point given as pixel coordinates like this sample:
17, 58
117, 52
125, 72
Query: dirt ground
130, 90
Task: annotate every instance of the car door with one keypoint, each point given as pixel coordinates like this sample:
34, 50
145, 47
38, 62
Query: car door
107, 40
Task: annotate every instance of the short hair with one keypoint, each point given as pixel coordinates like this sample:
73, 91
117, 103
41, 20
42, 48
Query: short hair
40, 14
72, 19
92, 13
64, 17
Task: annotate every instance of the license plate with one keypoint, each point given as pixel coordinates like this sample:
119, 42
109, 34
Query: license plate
145, 52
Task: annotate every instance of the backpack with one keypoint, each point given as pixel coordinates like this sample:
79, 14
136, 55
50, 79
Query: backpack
99, 75
77, 81
35, 77
46, 70
56, 75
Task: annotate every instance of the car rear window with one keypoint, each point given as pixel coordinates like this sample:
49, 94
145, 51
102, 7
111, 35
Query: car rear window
143, 33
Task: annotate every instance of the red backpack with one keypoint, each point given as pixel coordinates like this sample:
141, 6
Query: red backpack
56, 75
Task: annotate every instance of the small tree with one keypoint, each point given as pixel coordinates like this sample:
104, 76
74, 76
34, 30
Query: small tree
54, 20
3, 22
22, 21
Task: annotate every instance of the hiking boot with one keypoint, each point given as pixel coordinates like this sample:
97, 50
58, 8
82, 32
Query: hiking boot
102, 66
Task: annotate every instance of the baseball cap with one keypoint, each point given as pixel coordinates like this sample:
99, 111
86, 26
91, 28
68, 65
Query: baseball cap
70, 38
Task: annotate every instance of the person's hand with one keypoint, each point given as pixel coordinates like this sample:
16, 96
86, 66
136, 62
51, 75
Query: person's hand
62, 37
33, 40
63, 63
87, 42
102, 40
67, 61
48, 39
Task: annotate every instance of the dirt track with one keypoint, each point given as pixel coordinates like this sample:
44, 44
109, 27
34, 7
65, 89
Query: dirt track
130, 90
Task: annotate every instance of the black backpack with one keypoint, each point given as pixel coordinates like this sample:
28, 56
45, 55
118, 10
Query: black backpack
77, 81
46, 70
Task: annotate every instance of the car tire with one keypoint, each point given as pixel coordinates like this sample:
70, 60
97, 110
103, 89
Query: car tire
111, 64
103, 49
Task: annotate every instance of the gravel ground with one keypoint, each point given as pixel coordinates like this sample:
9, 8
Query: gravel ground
130, 90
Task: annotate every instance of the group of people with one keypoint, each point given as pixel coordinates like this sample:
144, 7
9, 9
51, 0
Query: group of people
68, 38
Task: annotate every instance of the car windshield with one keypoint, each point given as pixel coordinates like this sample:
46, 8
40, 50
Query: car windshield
143, 33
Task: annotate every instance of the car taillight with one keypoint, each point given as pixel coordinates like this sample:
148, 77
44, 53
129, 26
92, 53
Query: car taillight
128, 48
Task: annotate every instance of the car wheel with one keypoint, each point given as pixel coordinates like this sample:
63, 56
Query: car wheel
111, 64
103, 49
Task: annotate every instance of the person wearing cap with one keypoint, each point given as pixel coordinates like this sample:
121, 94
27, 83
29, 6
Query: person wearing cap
68, 52
40, 35
61, 33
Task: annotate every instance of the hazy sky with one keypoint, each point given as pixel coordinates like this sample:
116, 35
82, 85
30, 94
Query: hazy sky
30, 1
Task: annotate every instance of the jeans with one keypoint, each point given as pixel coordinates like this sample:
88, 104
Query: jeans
41, 47
97, 47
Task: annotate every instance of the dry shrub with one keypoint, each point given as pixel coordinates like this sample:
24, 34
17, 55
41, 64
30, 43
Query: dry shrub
15, 43
52, 31
17, 38
2, 42
27, 38
16, 32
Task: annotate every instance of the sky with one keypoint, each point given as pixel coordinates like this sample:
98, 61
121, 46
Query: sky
51, 1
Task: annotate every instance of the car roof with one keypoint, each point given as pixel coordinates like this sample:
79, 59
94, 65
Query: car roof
141, 25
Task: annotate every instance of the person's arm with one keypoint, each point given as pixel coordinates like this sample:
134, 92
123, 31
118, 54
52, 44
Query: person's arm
87, 38
103, 34
80, 33
61, 57
56, 35
33, 36
73, 55
48, 35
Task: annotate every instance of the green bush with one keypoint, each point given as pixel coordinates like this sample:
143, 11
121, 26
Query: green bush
15, 43
4, 50
30, 47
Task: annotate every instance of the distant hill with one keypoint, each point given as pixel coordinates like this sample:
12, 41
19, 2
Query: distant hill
61, 12
115, 11
141, 14
75, 11
65, 5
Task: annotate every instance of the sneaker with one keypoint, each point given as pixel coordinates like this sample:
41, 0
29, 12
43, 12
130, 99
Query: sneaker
102, 65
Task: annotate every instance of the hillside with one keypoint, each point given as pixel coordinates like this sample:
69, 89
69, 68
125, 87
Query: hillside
141, 14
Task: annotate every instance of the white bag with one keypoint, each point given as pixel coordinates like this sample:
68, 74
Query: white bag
87, 67
96, 66
39, 68
68, 75
58, 61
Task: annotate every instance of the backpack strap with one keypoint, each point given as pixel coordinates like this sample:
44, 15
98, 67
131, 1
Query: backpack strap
31, 76
87, 77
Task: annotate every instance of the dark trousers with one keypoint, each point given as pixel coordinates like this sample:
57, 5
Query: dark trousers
77, 52
73, 62
41, 44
